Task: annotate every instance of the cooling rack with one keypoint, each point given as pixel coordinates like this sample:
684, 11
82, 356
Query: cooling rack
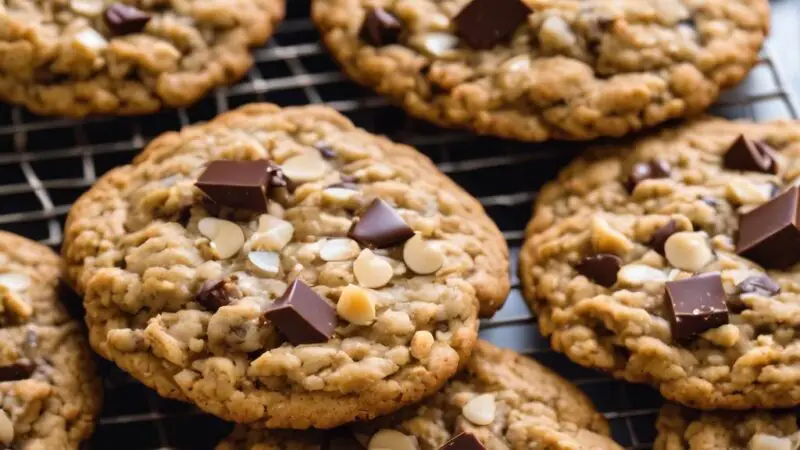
46, 163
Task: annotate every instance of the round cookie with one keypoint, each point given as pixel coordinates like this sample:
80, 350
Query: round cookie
502, 398
546, 69
681, 428
667, 261
197, 295
79, 57
49, 391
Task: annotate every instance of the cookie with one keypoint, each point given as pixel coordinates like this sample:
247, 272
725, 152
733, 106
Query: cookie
49, 392
79, 57
671, 261
284, 268
685, 429
503, 399
539, 70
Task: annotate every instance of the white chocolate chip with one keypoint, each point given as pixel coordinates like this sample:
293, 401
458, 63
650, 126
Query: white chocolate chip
371, 270
606, 239
438, 43
339, 250
275, 233
480, 410
392, 440
356, 305
15, 281
421, 257
267, 262
762, 441
421, 344
637, 274
745, 192
90, 8
89, 42
306, 167
15, 303
226, 237
688, 250
6, 428
338, 194
556, 34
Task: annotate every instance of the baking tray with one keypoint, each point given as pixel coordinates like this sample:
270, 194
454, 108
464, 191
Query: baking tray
46, 163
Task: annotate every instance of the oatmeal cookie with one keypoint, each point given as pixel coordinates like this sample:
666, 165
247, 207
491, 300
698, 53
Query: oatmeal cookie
79, 57
284, 268
681, 428
49, 391
503, 399
545, 69
671, 260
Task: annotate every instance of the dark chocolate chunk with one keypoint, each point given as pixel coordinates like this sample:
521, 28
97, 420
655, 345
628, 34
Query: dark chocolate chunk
696, 305
482, 24
758, 284
463, 441
646, 171
19, 370
380, 28
302, 315
125, 19
601, 268
661, 235
751, 156
236, 184
184, 215
769, 234
213, 294
380, 227
340, 439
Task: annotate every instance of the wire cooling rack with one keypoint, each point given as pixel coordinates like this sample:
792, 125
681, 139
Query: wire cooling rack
46, 163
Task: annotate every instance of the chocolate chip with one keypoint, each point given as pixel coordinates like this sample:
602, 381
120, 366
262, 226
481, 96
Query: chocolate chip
601, 268
325, 150
758, 284
213, 294
340, 439
302, 315
236, 184
696, 305
380, 227
482, 24
751, 156
184, 215
661, 235
769, 234
647, 170
463, 441
125, 19
380, 28
19, 370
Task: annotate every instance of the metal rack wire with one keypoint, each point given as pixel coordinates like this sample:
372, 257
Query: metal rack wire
46, 163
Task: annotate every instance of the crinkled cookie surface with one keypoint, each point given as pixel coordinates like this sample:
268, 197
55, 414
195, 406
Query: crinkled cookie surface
572, 70
135, 250
62, 57
49, 392
623, 327
518, 403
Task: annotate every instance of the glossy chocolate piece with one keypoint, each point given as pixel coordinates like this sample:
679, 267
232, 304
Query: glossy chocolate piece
482, 24
695, 305
646, 171
237, 184
302, 316
759, 284
750, 156
213, 295
20, 370
380, 28
380, 226
659, 238
769, 234
124, 19
463, 441
601, 268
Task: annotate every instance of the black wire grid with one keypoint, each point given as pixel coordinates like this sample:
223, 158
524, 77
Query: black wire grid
46, 163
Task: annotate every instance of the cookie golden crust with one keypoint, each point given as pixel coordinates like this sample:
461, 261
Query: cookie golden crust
534, 408
572, 70
136, 250
66, 58
623, 325
49, 391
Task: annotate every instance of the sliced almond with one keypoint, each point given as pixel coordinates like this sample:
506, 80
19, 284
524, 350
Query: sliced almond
392, 440
15, 281
226, 237
637, 274
480, 410
421, 257
356, 305
308, 166
371, 270
268, 263
339, 250
276, 233
89, 8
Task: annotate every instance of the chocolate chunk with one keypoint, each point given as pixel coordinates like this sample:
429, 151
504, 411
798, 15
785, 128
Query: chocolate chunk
236, 184
213, 294
125, 19
751, 156
758, 284
482, 24
19, 370
302, 315
601, 268
463, 441
661, 235
769, 234
184, 215
646, 171
696, 305
340, 439
380, 28
380, 226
